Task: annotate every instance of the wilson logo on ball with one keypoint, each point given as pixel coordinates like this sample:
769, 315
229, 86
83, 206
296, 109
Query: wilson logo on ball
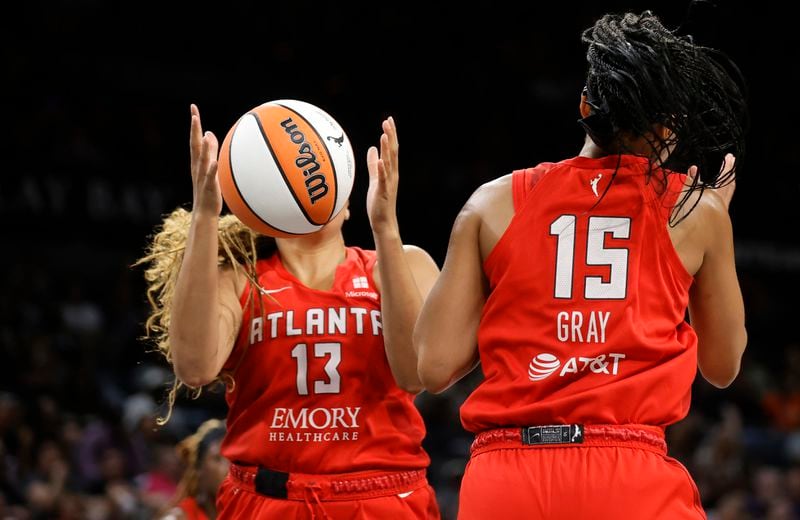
279, 175
306, 160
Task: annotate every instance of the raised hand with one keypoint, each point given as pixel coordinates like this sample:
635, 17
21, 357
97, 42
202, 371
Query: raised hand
383, 179
725, 192
204, 149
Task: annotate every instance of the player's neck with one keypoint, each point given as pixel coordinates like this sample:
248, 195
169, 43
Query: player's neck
631, 145
591, 150
312, 259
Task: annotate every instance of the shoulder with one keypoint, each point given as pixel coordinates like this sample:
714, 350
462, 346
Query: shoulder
419, 260
484, 201
492, 191
413, 252
704, 207
491, 205
703, 220
716, 219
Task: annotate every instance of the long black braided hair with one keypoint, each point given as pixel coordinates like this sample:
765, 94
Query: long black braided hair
641, 74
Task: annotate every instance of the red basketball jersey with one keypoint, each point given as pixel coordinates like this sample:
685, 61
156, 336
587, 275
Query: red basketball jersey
191, 509
313, 390
585, 321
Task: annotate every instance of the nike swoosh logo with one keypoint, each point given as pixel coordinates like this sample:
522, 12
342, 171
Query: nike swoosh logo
273, 291
404, 495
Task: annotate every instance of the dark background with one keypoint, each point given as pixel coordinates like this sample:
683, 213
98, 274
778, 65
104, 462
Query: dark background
95, 134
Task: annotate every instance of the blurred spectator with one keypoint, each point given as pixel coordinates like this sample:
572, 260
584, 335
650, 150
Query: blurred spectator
79, 314
782, 402
732, 506
158, 484
719, 460
769, 492
204, 469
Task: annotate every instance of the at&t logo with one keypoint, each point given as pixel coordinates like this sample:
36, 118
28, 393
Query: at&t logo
544, 365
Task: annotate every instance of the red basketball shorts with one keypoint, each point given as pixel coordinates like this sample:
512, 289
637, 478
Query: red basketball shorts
364, 495
609, 472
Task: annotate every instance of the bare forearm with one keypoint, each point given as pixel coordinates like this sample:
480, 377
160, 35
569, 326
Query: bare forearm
721, 341
194, 321
400, 305
447, 346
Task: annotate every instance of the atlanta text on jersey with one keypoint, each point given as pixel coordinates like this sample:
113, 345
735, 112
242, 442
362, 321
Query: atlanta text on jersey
317, 322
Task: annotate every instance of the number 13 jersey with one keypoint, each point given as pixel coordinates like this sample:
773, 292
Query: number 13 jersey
313, 391
585, 320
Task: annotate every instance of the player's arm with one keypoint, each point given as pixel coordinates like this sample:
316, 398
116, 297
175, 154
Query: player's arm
716, 308
404, 274
446, 332
205, 314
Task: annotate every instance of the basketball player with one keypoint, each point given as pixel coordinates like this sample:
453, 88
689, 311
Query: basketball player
313, 340
205, 468
569, 282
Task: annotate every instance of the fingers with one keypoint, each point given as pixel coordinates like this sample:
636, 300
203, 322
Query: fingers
376, 167
372, 161
385, 150
195, 134
728, 164
209, 147
381, 172
213, 144
692, 174
213, 152
726, 182
383, 164
202, 158
390, 131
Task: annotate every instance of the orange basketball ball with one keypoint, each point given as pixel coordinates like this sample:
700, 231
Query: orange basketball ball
286, 168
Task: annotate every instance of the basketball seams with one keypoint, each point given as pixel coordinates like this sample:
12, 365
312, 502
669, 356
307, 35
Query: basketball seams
241, 197
280, 169
327, 151
263, 163
239, 191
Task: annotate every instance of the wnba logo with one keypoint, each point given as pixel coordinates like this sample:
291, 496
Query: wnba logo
542, 366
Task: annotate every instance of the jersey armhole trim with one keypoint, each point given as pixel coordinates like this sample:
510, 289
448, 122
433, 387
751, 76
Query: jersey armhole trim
668, 201
518, 188
518, 183
235, 356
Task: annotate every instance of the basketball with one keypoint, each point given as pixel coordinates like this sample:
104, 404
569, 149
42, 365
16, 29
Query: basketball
286, 168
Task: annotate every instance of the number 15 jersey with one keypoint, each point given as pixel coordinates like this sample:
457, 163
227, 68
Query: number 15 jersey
585, 321
313, 391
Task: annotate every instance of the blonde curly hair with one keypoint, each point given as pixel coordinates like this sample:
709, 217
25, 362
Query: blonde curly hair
239, 248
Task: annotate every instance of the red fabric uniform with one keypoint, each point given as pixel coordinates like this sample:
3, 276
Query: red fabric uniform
191, 509
313, 392
585, 324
